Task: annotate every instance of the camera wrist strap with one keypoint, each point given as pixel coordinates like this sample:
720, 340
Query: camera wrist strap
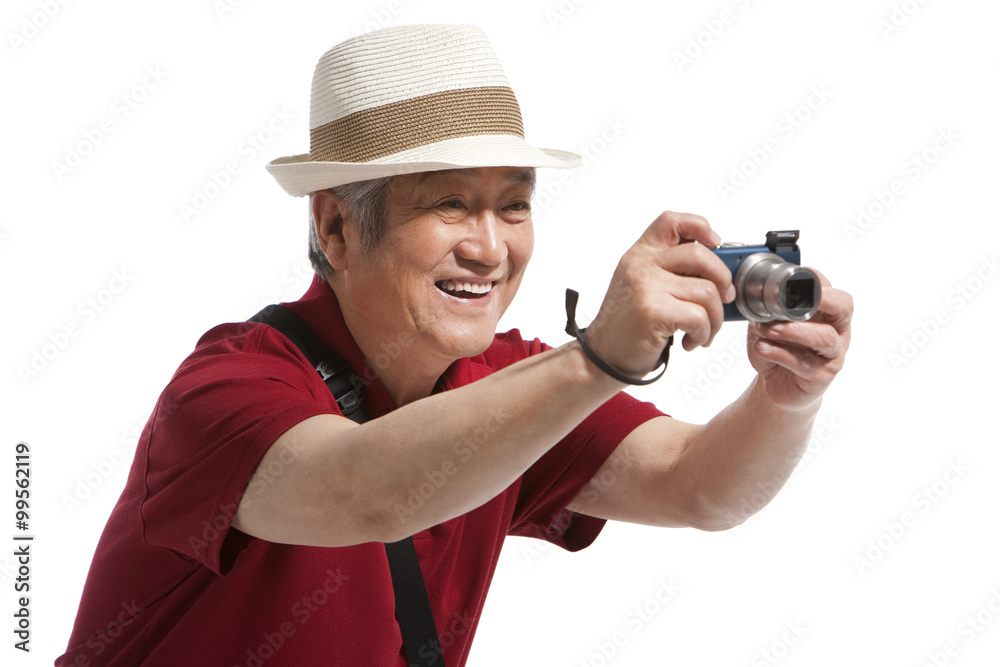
413, 608
580, 334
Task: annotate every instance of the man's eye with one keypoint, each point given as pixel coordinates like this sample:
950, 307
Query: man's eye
520, 206
453, 203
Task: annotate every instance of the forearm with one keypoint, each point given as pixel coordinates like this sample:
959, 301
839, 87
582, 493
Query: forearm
449, 453
740, 459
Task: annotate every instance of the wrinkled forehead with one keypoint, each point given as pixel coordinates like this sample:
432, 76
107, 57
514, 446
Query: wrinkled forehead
469, 177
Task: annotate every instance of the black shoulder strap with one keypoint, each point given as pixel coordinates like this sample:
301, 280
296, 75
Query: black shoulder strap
413, 608
345, 386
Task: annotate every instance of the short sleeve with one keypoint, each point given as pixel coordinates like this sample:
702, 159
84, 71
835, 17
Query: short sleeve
242, 387
549, 485
559, 476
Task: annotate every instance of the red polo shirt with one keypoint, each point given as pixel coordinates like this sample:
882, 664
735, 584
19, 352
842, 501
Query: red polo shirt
172, 583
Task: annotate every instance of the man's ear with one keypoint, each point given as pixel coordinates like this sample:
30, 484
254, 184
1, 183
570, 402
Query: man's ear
328, 212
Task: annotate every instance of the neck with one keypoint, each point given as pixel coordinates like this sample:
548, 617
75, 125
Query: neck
404, 380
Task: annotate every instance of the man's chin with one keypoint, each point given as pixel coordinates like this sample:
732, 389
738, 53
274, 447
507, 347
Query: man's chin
469, 345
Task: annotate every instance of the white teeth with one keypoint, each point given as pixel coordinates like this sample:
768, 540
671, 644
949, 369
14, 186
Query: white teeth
462, 286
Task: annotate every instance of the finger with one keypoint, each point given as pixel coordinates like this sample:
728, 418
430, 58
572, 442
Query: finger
819, 337
691, 318
798, 360
671, 229
693, 259
705, 295
836, 307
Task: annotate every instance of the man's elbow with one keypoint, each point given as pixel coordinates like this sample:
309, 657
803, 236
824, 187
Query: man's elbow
712, 514
716, 524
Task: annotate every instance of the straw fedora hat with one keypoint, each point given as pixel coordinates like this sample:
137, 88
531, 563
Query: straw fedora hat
409, 99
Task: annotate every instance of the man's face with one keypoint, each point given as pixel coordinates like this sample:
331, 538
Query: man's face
454, 249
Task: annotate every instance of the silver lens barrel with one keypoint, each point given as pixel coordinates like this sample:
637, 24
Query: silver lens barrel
769, 288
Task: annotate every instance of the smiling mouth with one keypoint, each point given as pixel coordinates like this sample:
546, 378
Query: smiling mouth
464, 290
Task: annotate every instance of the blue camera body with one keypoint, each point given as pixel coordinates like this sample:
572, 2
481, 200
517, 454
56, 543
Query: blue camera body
770, 284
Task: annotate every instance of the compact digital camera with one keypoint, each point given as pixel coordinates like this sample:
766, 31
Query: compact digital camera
770, 284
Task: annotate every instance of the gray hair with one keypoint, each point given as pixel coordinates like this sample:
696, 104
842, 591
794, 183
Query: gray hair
365, 202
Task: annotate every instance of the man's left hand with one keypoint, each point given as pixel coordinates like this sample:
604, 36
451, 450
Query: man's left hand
797, 361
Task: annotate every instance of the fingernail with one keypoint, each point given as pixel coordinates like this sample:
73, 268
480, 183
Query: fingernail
764, 346
777, 328
730, 294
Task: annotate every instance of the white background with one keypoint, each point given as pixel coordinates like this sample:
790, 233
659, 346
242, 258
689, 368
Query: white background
830, 557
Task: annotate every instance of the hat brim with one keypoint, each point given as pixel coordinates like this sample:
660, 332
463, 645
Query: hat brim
299, 176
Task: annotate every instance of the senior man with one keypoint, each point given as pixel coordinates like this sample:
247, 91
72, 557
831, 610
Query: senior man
253, 525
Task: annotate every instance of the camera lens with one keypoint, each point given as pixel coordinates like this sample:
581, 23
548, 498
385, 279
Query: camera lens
799, 293
769, 288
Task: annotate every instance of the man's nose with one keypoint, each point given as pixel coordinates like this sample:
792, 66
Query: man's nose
484, 241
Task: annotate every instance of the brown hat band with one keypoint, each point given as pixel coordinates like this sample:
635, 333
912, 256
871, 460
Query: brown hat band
374, 133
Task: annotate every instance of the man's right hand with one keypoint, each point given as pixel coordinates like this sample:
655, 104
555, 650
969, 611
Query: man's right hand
663, 284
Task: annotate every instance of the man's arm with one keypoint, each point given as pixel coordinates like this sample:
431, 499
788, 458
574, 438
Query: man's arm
338, 483
715, 476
